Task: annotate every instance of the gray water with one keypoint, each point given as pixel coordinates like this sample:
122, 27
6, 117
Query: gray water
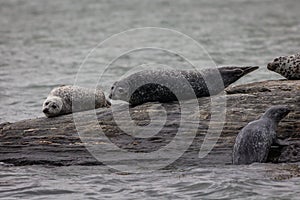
43, 43
81, 182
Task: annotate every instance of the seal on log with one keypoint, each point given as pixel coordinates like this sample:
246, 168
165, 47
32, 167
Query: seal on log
60, 100
171, 85
56, 142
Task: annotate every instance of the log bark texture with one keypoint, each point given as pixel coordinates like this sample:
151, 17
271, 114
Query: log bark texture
55, 141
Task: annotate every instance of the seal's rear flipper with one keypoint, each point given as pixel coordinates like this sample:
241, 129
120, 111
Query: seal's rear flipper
230, 74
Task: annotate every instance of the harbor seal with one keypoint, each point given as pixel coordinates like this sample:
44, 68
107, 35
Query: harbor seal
287, 66
254, 141
59, 101
154, 85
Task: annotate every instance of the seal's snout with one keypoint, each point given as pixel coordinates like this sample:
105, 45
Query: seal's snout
288, 109
270, 66
45, 110
284, 108
110, 96
273, 66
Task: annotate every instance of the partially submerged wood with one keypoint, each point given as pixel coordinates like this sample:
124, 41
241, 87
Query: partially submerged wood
55, 141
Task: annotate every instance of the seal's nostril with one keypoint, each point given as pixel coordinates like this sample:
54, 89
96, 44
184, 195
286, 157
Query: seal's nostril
46, 110
110, 95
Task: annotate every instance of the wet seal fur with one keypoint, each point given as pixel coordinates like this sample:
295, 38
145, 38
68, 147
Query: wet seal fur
254, 141
59, 100
287, 66
154, 85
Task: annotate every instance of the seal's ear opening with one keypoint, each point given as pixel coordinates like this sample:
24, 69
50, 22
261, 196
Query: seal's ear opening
121, 90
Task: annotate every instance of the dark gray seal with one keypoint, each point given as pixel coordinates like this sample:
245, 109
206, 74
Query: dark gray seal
287, 66
255, 139
160, 85
59, 101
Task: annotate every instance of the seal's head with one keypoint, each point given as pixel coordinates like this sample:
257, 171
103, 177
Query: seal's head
52, 106
277, 113
120, 91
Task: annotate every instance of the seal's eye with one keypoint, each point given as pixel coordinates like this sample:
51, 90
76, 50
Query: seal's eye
53, 106
276, 59
46, 103
112, 87
120, 90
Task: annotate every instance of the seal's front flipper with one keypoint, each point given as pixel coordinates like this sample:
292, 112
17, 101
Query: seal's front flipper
280, 142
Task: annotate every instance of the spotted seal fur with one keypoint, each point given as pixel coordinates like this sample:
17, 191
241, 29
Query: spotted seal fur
287, 66
59, 101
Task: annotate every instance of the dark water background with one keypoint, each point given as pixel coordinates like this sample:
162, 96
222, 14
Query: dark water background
42, 44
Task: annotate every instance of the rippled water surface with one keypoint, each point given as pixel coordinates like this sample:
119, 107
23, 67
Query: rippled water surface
81, 182
43, 43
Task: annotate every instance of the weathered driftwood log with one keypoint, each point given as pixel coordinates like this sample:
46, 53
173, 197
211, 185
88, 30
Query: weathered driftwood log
55, 141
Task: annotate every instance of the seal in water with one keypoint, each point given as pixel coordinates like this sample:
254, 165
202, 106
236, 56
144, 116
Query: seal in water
59, 101
162, 85
255, 139
287, 66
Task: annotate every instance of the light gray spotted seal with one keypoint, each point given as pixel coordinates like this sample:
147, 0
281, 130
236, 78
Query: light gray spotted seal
287, 66
154, 85
59, 101
254, 141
